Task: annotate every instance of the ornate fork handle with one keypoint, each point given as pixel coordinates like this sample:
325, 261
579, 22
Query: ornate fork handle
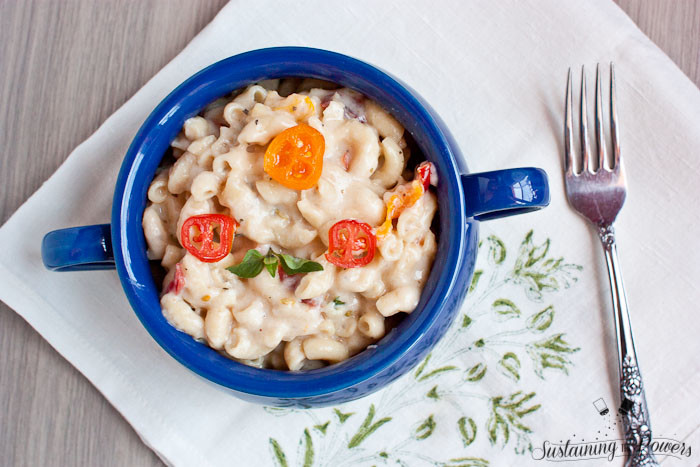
636, 419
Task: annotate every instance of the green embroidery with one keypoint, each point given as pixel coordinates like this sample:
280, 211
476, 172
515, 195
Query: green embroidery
551, 353
539, 274
466, 321
433, 394
497, 250
436, 372
467, 428
278, 453
505, 309
475, 279
467, 462
309, 449
426, 428
343, 416
511, 364
322, 428
476, 373
506, 416
539, 322
504, 326
367, 428
421, 367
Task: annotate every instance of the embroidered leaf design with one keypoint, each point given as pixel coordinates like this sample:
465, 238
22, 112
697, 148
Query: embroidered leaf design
467, 462
551, 352
421, 367
505, 309
498, 428
511, 364
342, 417
540, 322
367, 428
506, 416
433, 394
467, 428
466, 321
437, 371
322, 428
308, 449
476, 372
539, 274
475, 279
536, 253
497, 250
556, 343
426, 428
278, 453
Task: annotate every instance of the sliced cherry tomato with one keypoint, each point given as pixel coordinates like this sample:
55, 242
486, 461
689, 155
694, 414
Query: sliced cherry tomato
197, 236
294, 158
424, 171
178, 283
351, 244
405, 196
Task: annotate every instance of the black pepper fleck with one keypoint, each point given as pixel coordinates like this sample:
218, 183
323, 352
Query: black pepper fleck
246, 111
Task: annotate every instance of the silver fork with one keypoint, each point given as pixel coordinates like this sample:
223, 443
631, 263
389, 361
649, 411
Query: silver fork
598, 192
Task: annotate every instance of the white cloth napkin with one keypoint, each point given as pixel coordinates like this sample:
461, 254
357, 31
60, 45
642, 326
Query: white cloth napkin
526, 360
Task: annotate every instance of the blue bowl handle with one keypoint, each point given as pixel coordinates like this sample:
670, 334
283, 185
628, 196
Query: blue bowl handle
502, 193
84, 248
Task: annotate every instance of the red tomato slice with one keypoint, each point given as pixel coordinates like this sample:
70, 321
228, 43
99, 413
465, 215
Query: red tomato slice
351, 244
178, 282
197, 236
423, 173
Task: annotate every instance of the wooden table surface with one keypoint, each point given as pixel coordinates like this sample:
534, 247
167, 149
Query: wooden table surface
64, 68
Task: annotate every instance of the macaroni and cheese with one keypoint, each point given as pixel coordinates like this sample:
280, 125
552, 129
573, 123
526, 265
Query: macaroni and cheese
289, 225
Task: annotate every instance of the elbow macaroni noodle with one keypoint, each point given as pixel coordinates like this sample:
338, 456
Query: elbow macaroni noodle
289, 322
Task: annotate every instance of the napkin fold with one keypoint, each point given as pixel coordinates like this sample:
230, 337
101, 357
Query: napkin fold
531, 360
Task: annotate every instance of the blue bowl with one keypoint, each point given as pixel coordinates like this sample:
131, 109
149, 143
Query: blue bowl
463, 200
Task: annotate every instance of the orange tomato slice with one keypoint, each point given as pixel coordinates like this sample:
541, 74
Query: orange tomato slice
294, 158
404, 197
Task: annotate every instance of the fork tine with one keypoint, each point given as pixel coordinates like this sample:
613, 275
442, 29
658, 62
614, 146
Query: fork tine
600, 136
614, 129
568, 129
585, 147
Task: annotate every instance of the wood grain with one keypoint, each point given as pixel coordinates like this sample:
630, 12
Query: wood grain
64, 68
674, 26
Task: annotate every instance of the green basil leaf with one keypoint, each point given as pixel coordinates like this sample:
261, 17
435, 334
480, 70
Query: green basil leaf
251, 265
270, 261
292, 265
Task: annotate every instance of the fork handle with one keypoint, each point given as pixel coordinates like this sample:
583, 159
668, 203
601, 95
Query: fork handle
633, 408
